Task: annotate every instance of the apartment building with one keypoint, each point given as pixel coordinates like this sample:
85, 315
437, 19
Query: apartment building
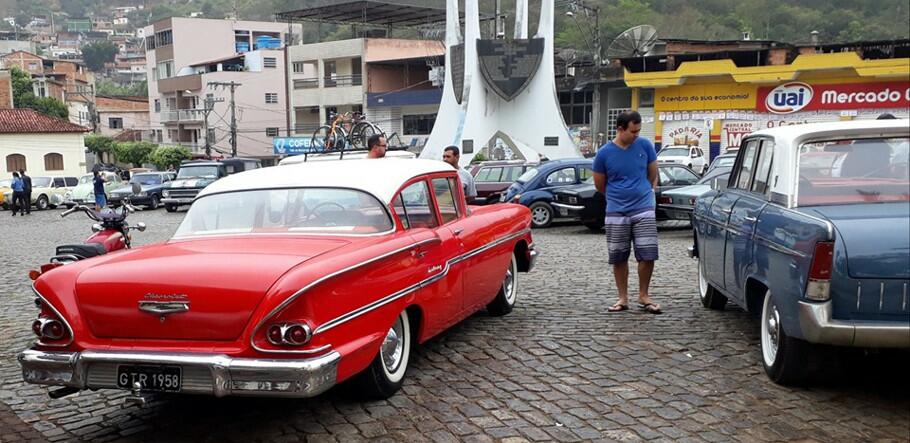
388, 79
123, 117
66, 80
186, 57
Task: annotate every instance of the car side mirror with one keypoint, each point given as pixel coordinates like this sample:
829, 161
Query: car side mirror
135, 188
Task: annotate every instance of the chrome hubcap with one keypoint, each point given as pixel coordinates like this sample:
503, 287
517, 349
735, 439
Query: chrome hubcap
540, 215
702, 283
508, 285
770, 331
393, 347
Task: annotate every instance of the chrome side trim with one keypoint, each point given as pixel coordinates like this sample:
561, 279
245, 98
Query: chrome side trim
859, 293
881, 295
62, 319
319, 281
904, 304
782, 249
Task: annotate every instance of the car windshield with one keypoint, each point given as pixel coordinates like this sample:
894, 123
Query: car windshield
210, 171
854, 171
673, 152
85, 179
528, 176
41, 182
146, 179
286, 211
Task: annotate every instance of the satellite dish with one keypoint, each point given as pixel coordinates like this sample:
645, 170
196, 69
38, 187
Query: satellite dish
633, 42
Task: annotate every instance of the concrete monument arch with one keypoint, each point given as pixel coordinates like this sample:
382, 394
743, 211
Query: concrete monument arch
500, 93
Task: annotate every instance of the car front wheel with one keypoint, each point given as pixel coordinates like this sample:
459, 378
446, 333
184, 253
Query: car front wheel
783, 357
170, 208
42, 203
385, 375
710, 297
508, 292
153, 204
541, 214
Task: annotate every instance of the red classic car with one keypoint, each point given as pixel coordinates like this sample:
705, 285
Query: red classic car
283, 282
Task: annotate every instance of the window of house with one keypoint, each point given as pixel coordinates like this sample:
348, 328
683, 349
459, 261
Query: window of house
356, 71
269, 62
444, 189
157, 105
577, 107
646, 98
271, 97
271, 132
165, 69
150, 43
15, 162
53, 162
331, 70
164, 38
115, 123
421, 124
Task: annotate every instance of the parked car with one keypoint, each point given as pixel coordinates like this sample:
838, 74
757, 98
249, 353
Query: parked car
84, 191
824, 258
536, 186
194, 176
584, 203
47, 192
678, 204
493, 177
691, 157
151, 184
283, 282
5, 188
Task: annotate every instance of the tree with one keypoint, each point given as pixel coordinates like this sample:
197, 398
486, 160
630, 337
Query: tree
164, 156
110, 88
97, 54
99, 144
135, 153
24, 97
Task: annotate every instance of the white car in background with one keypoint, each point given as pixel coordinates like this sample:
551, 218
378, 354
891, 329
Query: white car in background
691, 157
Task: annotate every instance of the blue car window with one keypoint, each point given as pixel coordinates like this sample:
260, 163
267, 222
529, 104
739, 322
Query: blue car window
562, 176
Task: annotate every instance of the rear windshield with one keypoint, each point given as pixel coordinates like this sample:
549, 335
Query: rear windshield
146, 179
854, 171
286, 211
527, 176
674, 152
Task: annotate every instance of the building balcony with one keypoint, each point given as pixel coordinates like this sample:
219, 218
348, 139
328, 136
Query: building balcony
182, 116
405, 98
182, 83
306, 83
340, 81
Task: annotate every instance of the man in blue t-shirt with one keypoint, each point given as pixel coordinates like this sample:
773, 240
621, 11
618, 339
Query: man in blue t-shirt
625, 171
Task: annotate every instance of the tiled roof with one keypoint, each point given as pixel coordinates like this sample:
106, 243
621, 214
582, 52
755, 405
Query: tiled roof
28, 121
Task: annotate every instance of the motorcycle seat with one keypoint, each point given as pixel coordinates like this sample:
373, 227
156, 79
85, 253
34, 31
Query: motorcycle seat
84, 250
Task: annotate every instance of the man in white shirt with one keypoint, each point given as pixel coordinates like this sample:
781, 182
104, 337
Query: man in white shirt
451, 155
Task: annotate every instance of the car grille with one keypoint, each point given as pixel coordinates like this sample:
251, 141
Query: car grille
183, 193
193, 379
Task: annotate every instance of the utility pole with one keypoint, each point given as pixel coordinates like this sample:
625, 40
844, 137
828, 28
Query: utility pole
232, 85
208, 105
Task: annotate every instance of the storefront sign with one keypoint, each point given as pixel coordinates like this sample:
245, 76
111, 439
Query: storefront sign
705, 97
690, 133
294, 146
732, 132
797, 96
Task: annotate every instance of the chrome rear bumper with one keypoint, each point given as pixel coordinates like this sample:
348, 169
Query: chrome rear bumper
212, 374
818, 327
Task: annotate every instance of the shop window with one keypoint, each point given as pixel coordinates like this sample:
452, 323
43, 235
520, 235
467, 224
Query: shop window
577, 107
53, 162
418, 124
645, 98
115, 123
15, 162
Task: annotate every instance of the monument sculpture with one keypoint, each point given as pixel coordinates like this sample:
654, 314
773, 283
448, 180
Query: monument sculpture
499, 96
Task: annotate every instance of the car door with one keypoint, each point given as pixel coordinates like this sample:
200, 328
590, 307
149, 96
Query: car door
669, 178
751, 185
441, 295
716, 229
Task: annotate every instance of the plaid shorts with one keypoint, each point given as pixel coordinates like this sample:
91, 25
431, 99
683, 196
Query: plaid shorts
626, 228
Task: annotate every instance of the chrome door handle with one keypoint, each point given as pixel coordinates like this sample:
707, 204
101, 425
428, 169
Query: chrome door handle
420, 254
750, 219
458, 231
163, 307
727, 211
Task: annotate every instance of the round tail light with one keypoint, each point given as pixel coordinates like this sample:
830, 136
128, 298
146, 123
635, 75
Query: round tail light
297, 334
52, 329
275, 334
36, 327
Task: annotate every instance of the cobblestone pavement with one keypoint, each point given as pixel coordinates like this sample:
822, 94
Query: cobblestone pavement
559, 368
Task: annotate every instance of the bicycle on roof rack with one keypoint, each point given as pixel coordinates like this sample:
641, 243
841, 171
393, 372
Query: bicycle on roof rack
349, 129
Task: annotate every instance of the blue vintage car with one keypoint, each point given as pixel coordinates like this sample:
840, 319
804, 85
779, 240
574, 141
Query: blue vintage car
535, 187
822, 252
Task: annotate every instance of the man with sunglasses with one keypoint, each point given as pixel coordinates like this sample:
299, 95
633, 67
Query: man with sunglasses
377, 145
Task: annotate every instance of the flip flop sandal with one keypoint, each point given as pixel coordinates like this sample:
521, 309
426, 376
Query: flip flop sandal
652, 308
618, 308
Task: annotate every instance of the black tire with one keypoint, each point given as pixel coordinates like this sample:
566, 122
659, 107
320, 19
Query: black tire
508, 291
379, 381
170, 208
541, 214
710, 297
155, 202
786, 363
41, 204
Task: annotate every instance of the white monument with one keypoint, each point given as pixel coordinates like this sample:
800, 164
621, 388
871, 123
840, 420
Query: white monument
499, 96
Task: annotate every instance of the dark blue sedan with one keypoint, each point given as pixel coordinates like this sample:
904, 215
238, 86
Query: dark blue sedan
535, 187
151, 184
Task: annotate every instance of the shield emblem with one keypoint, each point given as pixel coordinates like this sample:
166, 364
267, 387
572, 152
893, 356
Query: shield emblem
456, 56
508, 66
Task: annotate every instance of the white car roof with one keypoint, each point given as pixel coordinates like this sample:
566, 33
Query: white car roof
380, 177
357, 155
854, 128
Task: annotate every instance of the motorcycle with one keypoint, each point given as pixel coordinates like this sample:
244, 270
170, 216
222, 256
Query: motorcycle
110, 233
